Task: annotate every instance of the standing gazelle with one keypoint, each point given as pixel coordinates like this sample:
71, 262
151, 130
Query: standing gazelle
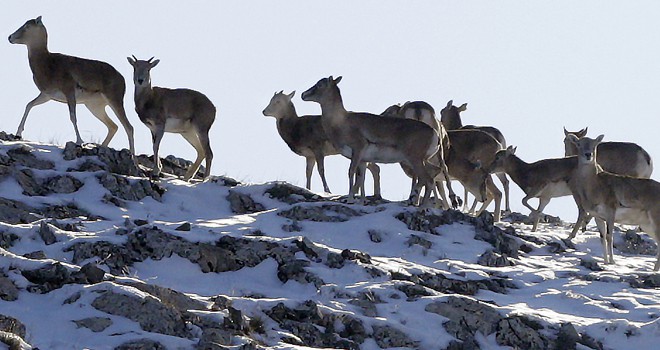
613, 198
72, 80
182, 111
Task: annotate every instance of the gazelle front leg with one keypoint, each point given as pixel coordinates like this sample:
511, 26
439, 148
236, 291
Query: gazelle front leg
156, 137
320, 167
41, 99
309, 168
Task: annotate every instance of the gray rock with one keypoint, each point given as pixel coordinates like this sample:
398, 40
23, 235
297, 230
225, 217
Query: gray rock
591, 264
567, 338
520, 332
170, 297
62, 184
12, 325
141, 344
118, 162
151, 314
47, 233
243, 204
375, 236
93, 274
466, 317
186, 226
130, 189
36, 255
493, 259
417, 240
14, 212
290, 194
320, 213
8, 290
7, 239
23, 155
95, 324
47, 278
387, 336
634, 243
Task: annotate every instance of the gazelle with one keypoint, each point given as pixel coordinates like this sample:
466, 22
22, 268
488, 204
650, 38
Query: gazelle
365, 137
450, 116
305, 137
424, 112
475, 147
72, 80
613, 198
182, 111
623, 158
544, 179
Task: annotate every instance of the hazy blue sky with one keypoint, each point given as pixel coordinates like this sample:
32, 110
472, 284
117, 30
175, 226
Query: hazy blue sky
526, 67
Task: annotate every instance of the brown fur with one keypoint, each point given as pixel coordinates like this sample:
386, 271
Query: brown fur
72, 80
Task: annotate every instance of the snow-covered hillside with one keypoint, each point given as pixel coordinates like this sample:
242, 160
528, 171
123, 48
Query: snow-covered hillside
95, 256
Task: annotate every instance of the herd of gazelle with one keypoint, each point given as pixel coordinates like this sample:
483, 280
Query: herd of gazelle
608, 180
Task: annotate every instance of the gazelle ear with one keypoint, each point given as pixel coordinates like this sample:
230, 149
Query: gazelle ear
293, 93
450, 103
600, 138
583, 132
131, 60
565, 132
38, 20
154, 63
336, 81
463, 107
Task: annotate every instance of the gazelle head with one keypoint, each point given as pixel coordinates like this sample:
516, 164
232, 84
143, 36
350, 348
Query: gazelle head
392, 111
317, 92
278, 104
33, 30
570, 148
141, 70
497, 166
586, 147
450, 116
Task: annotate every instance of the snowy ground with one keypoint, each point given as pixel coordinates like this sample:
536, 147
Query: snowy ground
551, 286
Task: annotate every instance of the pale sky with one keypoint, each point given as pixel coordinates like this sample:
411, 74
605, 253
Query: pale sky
526, 67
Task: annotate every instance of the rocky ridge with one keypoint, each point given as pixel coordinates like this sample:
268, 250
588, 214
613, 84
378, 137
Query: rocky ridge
86, 236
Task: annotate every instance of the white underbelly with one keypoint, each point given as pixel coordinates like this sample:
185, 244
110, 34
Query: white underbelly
177, 125
373, 153
555, 189
627, 216
82, 96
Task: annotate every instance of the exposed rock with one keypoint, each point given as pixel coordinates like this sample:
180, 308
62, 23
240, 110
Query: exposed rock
67, 211
23, 155
33, 186
290, 194
47, 233
591, 264
7, 239
444, 284
95, 324
466, 317
4, 136
93, 274
493, 259
12, 325
186, 226
170, 297
141, 344
171, 165
633, 243
417, 240
321, 213
520, 332
8, 290
152, 315
14, 212
567, 338
294, 226
47, 278
387, 336
36, 255
241, 203
118, 162
131, 190
644, 280
375, 236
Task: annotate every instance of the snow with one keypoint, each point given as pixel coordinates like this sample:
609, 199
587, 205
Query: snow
552, 285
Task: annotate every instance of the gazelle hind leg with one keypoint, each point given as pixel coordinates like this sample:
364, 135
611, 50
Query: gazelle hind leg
98, 110
194, 141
